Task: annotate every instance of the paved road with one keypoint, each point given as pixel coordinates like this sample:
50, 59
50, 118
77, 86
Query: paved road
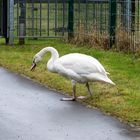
29, 111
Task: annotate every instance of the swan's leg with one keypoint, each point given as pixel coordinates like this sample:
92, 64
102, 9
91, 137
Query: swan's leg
89, 90
74, 89
74, 93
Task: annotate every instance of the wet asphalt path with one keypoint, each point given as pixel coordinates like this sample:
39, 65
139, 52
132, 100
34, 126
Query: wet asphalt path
29, 111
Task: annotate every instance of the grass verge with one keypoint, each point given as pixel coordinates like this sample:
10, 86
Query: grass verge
122, 101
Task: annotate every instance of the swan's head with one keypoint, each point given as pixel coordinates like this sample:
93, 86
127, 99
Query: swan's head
36, 59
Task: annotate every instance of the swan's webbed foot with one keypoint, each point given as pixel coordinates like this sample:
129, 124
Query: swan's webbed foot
68, 99
73, 98
83, 97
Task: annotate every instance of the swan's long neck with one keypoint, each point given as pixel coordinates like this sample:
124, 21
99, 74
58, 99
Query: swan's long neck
54, 56
53, 51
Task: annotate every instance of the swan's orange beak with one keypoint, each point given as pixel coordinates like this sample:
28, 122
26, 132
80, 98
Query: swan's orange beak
33, 66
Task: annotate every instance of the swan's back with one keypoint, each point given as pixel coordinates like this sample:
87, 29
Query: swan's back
81, 63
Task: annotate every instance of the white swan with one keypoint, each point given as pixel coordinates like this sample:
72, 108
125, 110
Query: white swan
77, 67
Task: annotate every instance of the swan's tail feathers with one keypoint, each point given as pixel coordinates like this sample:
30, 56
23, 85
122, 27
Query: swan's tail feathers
107, 73
109, 81
99, 77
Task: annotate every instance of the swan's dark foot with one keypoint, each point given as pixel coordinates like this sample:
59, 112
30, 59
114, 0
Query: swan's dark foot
68, 99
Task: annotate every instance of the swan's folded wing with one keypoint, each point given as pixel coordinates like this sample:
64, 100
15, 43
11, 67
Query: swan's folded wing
81, 64
66, 72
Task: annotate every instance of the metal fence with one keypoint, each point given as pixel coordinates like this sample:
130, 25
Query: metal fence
54, 18
104, 22
40, 18
108, 23
128, 25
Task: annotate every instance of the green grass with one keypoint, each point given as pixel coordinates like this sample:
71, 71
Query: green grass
122, 101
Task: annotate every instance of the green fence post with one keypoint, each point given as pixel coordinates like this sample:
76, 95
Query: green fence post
5, 25
70, 19
11, 21
22, 22
112, 21
0, 17
133, 10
